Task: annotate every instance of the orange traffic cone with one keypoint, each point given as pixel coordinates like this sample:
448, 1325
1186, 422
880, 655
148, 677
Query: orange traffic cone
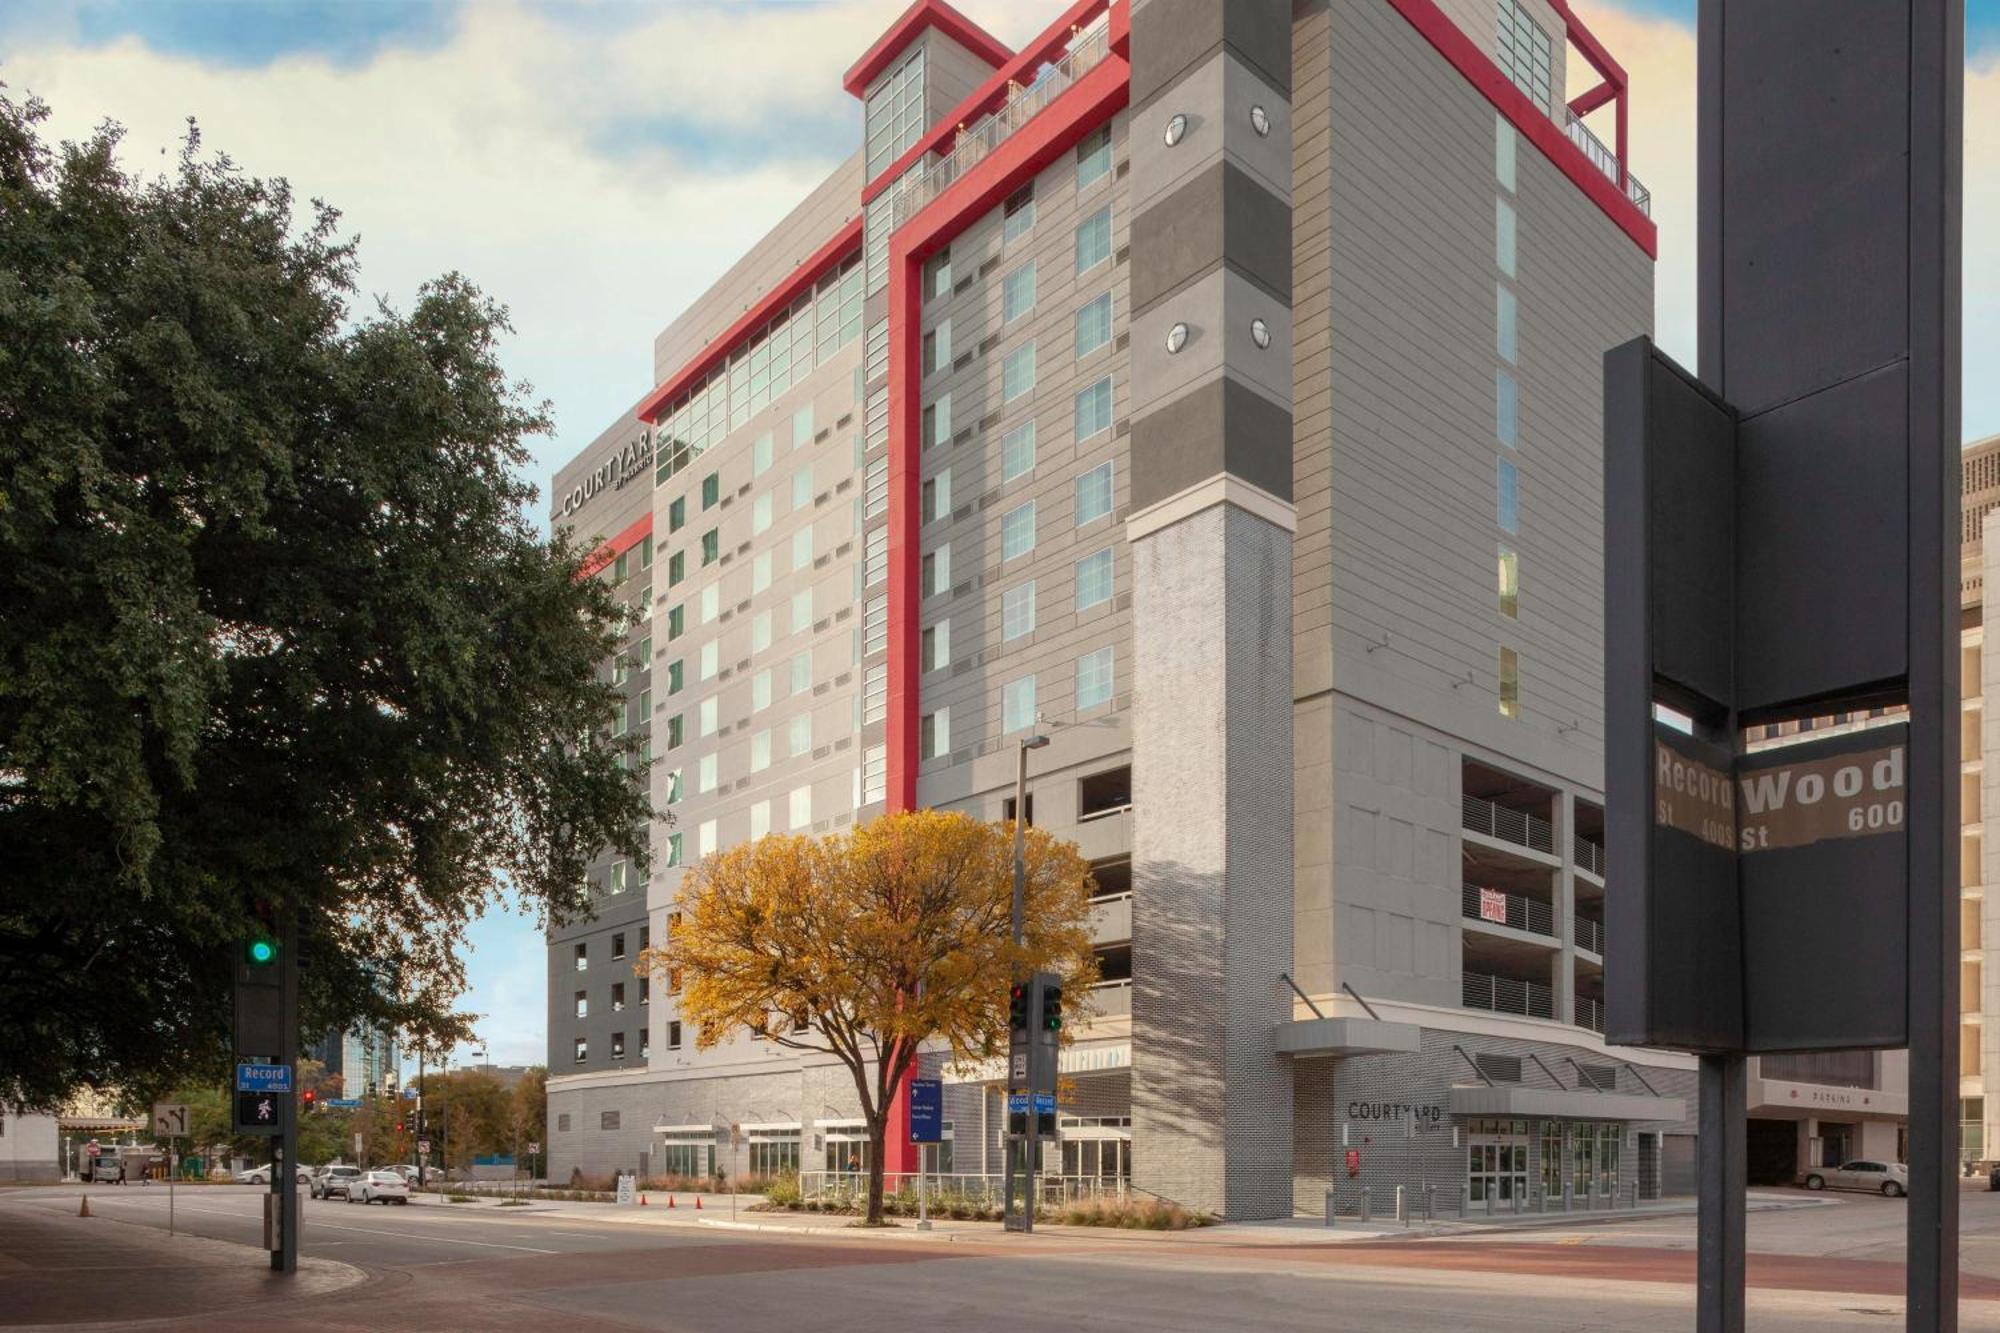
642, 1201
670, 1201
697, 1203
85, 1210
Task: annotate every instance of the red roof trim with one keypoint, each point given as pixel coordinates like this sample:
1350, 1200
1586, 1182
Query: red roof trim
938, 138
810, 270
610, 550
923, 14
1480, 71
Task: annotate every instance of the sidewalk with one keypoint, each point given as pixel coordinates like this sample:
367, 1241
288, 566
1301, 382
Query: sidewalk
54, 1267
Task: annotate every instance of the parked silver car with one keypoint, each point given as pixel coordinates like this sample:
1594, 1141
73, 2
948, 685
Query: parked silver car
1889, 1178
334, 1180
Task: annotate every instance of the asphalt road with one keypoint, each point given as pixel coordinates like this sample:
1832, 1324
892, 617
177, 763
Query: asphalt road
428, 1266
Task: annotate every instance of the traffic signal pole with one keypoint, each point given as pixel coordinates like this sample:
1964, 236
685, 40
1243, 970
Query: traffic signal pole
284, 1175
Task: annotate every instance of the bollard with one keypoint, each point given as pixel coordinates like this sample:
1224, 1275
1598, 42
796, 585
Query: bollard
1402, 1207
1331, 1210
1489, 1198
1367, 1205
1430, 1203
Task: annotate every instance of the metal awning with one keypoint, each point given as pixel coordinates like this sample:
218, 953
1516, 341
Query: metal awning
97, 1124
1347, 1036
1511, 1100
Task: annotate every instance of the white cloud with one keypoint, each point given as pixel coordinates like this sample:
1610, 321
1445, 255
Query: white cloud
1660, 57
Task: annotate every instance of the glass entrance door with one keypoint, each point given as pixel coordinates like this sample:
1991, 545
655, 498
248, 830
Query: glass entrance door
1496, 1164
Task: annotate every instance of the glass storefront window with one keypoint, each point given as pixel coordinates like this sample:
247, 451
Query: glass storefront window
1552, 1159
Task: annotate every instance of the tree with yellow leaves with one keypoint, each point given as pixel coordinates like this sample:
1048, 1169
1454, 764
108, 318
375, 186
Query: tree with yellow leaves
865, 945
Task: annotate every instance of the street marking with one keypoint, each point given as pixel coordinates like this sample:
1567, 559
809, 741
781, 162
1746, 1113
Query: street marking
368, 1231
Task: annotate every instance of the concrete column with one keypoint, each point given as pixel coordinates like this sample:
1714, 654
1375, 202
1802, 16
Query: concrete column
1988, 1001
1211, 532
1564, 898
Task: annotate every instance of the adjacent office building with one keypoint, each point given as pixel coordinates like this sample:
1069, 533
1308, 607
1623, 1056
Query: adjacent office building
365, 1060
1214, 390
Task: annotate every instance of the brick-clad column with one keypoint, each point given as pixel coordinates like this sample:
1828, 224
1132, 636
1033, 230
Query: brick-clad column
1211, 532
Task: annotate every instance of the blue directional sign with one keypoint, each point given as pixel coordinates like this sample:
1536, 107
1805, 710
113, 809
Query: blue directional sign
926, 1110
344, 1103
1017, 1104
410, 1092
263, 1078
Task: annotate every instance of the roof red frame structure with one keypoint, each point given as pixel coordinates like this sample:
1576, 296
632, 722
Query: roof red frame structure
923, 14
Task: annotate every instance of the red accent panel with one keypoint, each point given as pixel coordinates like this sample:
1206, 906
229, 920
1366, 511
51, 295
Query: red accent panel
1094, 98
617, 546
809, 271
1480, 71
990, 93
923, 14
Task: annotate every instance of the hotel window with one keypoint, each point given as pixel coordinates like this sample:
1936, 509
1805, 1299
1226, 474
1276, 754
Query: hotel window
1503, 236
676, 567
673, 1034
620, 881
711, 659
799, 735
1093, 157
617, 997
1017, 531
1508, 483
621, 568
1510, 683
1526, 54
646, 983
711, 490
802, 488
937, 570
677, 514
711, 602
645, 1043
1017, 611
1504, 338
618, 886
874, 774
760, 572
1503, 151
800, 811
676, 730
760, 632
802, 610
704, 844
1019, 213
934, 734
801, 672
1017, 372
1510, 582
707, 780
895, 114
711, 546
1017, 451
760, 691
937, 422
710, 713
760, 751
1506, 408
673, 857
937, 496
802, 547
617, 1053
1093, 240
583, 1004
674, 677
1093, 494
760, 820
673, 794
761, 510
802, 425
1093, 678
936, 654
1093, 409
1093, 324
1017, 704
583, 958
646, 551
938, 266
1017, 293
937, 347
582, 1050
1094, 580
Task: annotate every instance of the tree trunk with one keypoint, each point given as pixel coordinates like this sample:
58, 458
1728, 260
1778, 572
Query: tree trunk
878, 1125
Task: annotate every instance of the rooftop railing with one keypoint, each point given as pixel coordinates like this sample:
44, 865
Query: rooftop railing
1497, 821
1508, 909
1504, 995
1607, 161
1589, 856
918, 188
1590, 1014
1589, 935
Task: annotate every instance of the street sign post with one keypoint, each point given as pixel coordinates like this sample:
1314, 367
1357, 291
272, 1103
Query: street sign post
1781, 544
170, 1122
926, 1128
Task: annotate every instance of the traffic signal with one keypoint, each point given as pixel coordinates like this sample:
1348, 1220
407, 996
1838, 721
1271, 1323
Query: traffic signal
1052, 1008
1017, 1007
310, 1098
399, 1127
260, 949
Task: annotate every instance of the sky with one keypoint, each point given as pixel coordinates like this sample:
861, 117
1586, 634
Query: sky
595, 164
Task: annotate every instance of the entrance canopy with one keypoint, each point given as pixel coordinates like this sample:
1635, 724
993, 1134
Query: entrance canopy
1514, 1101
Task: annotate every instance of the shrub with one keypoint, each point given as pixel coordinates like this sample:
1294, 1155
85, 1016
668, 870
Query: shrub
783, 1190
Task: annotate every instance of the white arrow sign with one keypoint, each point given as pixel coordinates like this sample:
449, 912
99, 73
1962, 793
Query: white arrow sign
170, 1121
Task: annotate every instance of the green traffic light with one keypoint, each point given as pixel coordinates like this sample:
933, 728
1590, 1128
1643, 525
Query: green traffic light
263, 951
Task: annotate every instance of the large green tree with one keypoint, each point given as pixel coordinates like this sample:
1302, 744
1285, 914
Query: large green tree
276, 621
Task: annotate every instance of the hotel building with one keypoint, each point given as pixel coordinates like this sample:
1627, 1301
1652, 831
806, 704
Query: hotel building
1214, 390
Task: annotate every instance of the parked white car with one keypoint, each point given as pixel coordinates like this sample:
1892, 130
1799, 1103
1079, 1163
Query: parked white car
261, 1175
1889, 1178
379, 1187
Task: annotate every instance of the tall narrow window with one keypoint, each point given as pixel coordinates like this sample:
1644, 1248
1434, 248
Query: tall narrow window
1017, 451
1508, 485
1504, 341
1093, 494
1093, 324
1017, 611
1017, 372
1093, 239
1503, 236
1017, 293
1017, 531
1093, 157
1094, 678
1094, 578
1017, 704
1093, 409
1503, 151
1506, 408
1019, 213
1510, 683
1510, 582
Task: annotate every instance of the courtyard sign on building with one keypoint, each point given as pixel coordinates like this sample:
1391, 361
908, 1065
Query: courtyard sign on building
612, 474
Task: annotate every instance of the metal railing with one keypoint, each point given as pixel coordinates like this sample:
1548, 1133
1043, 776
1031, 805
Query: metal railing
975, 1190
1605, 160
1497, 821
1589, 934
1508, 909
1023, 102
1111, 999
1588, 855
1504, 995
1590, 1013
